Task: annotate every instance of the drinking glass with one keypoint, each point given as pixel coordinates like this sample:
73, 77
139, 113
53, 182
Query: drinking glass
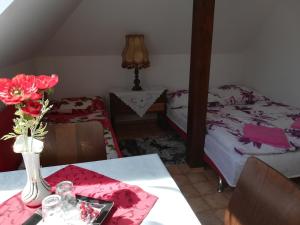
52, 210
65, 190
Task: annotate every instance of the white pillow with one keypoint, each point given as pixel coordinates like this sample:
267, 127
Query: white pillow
178, 99
213, 100
237, 95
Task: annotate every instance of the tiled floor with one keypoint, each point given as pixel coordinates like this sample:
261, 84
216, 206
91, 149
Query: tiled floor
199, 186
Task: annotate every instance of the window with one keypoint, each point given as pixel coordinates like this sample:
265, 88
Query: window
4, 5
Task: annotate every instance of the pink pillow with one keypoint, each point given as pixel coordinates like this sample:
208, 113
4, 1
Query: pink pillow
266, 135
296, 124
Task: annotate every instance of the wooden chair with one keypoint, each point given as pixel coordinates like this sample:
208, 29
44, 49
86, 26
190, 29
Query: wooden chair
68, 143
263, 197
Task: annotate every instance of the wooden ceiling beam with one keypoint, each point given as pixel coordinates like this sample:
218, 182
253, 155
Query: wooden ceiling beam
201, 51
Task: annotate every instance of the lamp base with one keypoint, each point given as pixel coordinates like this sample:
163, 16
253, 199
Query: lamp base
138, 88
137, 81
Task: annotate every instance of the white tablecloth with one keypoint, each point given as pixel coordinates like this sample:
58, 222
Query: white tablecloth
147, 172
139, 101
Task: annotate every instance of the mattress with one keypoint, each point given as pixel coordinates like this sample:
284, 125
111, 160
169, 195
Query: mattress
179, 117
231, 163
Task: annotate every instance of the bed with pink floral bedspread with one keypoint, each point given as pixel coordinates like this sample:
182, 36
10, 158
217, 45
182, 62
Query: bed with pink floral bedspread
83, 109
230, 108
226, 123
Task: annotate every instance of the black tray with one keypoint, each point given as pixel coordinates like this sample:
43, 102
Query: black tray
106, 206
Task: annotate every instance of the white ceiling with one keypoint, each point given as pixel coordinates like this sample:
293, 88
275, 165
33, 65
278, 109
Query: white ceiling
98, 27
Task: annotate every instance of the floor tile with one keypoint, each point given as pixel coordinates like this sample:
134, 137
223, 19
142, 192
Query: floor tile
181, 180
197, 170
196, 177
208, 218
228, 191
189, 191
220, 214
216, 201
205, 188
211, 175
184, 168
174, 169
198, 204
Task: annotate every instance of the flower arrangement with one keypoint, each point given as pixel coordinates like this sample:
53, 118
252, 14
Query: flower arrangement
28, 94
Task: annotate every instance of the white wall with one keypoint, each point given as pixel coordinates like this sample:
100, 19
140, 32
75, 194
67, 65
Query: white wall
10, 71
273, 59
97, 75
226, 69
26, 67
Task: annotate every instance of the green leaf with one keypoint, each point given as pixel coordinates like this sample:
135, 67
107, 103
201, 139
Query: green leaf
50, 91
27, 117
9, 136
18, 113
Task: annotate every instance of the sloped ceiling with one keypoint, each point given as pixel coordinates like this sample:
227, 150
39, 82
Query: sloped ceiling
27, 24
98, 27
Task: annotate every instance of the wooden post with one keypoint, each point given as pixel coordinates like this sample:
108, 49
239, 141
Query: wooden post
203, 17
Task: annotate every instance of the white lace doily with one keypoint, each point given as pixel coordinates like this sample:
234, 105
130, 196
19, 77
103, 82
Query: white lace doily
139, 101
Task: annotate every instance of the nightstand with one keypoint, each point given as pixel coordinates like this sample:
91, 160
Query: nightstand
141, 103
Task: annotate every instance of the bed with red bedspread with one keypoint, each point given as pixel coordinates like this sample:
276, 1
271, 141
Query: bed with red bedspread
83, 109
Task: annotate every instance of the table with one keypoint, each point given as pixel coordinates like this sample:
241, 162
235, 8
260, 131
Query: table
124, 103
147, 172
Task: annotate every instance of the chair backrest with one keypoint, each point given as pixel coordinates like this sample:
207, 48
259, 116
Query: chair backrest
67, 143
263, 197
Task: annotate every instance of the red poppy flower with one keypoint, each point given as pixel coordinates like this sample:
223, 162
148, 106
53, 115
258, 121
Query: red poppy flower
32, 108
45, 82
36, 96
18, 89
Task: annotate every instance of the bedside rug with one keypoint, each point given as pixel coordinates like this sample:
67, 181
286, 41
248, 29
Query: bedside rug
171, 148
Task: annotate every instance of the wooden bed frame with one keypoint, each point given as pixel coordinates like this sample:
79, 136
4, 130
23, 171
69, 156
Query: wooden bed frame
85, 142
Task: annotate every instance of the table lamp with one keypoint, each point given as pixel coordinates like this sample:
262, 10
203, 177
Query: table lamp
135, 56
